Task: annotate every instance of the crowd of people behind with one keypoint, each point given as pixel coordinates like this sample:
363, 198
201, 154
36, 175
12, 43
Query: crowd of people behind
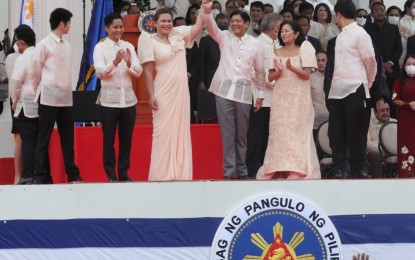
276, 72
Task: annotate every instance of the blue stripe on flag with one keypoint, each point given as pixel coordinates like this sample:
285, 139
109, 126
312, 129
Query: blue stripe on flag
187, 232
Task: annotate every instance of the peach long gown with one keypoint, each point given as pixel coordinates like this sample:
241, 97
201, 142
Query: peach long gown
171, 152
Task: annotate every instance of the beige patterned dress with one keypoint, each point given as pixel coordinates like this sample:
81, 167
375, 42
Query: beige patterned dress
291, 146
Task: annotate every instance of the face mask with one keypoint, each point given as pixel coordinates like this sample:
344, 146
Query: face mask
215, 12
169, 4
410, 69
361, 21
413, 11
123, 14
223, 27
393, 20
15, 48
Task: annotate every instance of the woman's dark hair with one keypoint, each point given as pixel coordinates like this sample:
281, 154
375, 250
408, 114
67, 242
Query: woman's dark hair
162, 11
394, 7
315, 17
111, 17
403, 76
25, 33
361, 9
189, 10
287, 10
408, 4
244, 15
217, 2
59, 15
296, 28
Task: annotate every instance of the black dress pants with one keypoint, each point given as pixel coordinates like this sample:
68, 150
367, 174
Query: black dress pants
63, 116
348, 126
257, 140
124, 118
28, 129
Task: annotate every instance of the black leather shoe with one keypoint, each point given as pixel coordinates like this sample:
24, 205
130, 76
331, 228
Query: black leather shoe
360, 174
126, 179
41, 179
25, 181
227, 178
338, 174
113, 179
75, 179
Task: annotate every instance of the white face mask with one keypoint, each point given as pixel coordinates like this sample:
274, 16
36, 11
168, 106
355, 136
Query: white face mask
215, 12
361, 21
16, 48
169, 4
413, 11
393, 20
410, 69
123, 14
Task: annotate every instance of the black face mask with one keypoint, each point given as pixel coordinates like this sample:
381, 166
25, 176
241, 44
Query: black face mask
223, 27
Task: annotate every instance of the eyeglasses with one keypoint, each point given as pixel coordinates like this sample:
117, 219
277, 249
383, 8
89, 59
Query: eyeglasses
362, 16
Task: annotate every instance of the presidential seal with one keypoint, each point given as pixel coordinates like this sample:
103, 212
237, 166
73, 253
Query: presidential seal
276, 227
147, 22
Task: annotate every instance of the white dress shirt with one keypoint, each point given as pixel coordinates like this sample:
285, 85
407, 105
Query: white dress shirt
373, 133
52, 70
278, 5
321, 113
239, 56
116, 86
21, 85
354, 62
268, 46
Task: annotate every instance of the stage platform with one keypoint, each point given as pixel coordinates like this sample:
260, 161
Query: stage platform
188, 220
206, 145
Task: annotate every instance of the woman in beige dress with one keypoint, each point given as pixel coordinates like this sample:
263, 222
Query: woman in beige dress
323, 16
164, 52
291, 152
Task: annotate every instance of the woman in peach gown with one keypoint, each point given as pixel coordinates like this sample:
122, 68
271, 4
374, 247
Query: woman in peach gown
164, 52
291, 152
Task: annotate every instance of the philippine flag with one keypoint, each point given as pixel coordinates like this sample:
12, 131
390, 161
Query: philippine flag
27, 13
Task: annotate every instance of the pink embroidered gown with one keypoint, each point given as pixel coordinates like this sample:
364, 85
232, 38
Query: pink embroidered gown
291, 146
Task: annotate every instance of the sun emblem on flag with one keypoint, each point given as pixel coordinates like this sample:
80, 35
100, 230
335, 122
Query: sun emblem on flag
28, 9
278, 249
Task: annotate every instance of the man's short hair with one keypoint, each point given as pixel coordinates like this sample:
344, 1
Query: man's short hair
269, 20
25, 33
305, 6
258, 4
59, 15
221, 16
244, 15
303, 17
110, 18
179, 18
375, 4
346, 8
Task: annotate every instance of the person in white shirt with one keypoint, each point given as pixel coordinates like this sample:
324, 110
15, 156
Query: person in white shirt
23, 100
348, 99
259, 121
256, 12
172, 6
321, 114
51, 64
115, 64
232, 86
316, 29
374, 158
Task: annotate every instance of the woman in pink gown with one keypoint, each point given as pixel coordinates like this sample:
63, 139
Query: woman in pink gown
164, 52
403, 97
291, 152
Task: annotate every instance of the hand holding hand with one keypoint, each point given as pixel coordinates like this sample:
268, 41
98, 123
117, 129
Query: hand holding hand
207, 6
269, 85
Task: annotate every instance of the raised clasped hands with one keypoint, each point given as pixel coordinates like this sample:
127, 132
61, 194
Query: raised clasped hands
207, 6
